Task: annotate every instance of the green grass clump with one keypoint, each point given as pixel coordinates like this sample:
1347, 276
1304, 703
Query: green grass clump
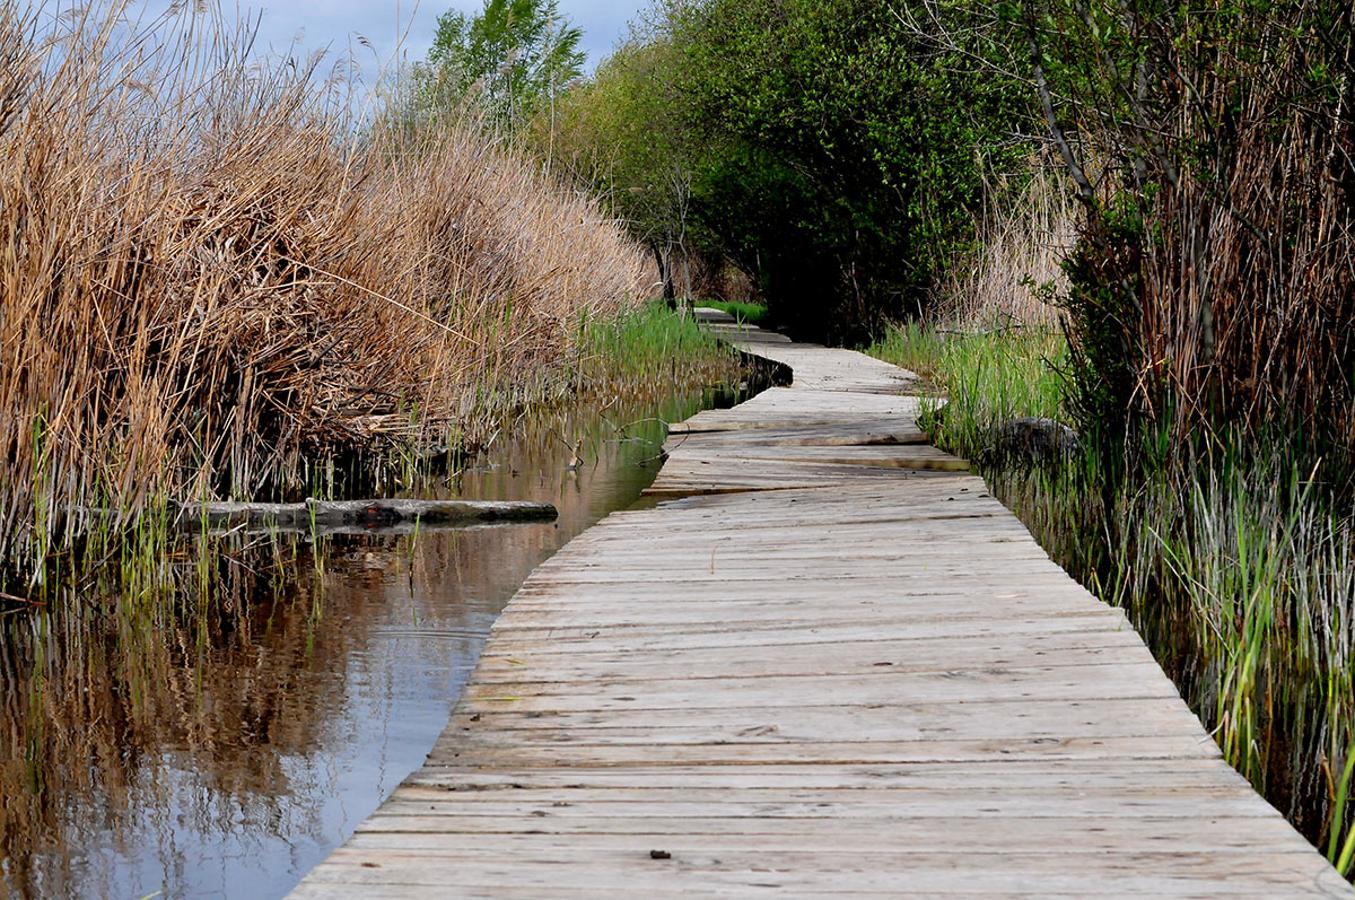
915, 347
987, 378
652, 343
744, 313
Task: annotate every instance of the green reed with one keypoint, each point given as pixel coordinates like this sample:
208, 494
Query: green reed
743, 312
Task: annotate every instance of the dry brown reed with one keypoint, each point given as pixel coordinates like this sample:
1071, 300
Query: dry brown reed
1248, 298
1017, 270
1217, 283
213, 274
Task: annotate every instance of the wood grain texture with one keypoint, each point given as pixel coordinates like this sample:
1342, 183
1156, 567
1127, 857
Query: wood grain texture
831, 663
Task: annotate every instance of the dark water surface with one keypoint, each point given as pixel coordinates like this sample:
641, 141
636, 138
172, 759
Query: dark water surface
222, 745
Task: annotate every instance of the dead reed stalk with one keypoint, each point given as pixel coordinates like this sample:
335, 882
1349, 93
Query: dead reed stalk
212, 275
1215, 279
1018, 267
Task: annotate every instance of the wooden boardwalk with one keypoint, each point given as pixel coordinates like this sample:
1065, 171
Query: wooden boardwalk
835, 665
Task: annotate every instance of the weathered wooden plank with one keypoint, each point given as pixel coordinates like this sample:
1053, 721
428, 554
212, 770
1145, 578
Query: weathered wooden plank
847, 434
902, 456
983, 776
1062, 648
967, 870
823, 669
653, 614
1142, 679
898, 721
645, 639
412, 808
482, 748
912, 801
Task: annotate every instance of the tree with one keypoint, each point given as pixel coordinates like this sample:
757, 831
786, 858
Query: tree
855, 152
623, 135
823, 147
514, 58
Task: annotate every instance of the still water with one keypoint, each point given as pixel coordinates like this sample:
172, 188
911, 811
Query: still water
183, 744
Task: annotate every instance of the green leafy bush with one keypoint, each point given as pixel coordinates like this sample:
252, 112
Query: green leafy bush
827, 149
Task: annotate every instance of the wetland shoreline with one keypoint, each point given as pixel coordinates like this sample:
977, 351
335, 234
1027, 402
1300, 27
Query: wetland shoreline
220, 740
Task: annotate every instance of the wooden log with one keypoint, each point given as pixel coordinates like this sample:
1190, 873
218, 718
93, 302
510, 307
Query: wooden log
370, 513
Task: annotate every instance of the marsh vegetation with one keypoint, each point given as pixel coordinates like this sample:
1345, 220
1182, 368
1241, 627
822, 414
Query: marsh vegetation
219, 281
233, 279
226, 277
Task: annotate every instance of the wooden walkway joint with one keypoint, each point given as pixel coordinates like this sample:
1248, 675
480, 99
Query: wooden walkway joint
832, 664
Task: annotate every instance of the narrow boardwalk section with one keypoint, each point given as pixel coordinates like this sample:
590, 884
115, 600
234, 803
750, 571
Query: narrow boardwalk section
828, 663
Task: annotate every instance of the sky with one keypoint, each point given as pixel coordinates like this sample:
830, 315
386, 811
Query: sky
337, 23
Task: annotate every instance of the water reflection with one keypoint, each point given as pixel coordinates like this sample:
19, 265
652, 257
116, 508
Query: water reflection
220, 743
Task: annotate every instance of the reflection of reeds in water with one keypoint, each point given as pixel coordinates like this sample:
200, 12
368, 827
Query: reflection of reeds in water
194, 710
92, 700
211, 705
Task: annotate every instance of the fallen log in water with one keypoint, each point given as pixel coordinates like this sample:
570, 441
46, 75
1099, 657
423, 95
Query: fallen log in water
370, 513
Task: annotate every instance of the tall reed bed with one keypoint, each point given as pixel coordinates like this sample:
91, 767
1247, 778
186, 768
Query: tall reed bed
214, 276
1213, 283
1016, 274
1209, 294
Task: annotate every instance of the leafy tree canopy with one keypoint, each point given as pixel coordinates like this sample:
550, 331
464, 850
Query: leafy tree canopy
513, 58
830, 149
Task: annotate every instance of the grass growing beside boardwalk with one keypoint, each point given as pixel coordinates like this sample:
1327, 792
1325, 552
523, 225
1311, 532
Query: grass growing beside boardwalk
988, 378
1232, 558
744, 313
651, 344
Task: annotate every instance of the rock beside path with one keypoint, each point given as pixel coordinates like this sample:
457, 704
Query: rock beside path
1038, 441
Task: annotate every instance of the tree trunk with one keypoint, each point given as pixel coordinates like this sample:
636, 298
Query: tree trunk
666, 275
